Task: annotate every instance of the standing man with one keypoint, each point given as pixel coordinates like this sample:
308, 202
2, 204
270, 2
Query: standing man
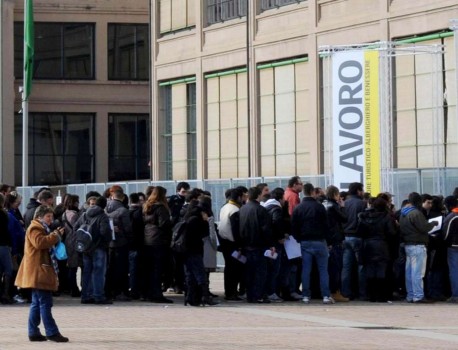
229, 222
352, 244
256, 237
95, 261
295, 186
310, 228
414, 233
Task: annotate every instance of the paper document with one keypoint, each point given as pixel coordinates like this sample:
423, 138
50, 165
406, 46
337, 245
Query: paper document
237, 255
438, 226
268, 254
292, 248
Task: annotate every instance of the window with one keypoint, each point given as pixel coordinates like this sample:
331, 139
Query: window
62, 50
271, 4
285, 134
129, 147
223, 10
227, 125
61, 148
128, 53
176, 15
179, 139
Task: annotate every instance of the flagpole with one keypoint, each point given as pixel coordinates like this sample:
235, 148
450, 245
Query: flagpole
25, 140
27, 86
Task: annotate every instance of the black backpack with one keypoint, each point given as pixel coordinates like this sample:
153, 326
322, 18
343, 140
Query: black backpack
179, 237
87, 235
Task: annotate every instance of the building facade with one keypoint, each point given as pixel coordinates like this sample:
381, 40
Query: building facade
89, 114
237, 85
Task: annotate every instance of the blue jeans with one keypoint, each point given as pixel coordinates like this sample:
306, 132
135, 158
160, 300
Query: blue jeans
94, 269
319, 251
256, 270
351, 258
415, 271
452, 259
40, 310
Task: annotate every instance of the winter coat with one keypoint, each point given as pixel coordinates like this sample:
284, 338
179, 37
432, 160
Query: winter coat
309, 221
280, 223
196, 230
30, 211
17, 233
69, 218
414, 226
450, 229
138, 227
375, 228
121, 219
353, 206
158, 227
336, 218
103, 224
36, 269
255, 226
210, 245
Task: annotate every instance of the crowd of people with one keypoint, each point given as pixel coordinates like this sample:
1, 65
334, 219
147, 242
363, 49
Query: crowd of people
335, 245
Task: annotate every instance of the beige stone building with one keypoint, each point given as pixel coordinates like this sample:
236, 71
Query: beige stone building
233, 100
228, 100
89, 107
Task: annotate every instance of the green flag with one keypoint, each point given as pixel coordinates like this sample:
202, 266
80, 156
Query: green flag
28, 47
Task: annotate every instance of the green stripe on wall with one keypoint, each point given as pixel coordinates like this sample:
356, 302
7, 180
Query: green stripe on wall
282, 63
226, 72
178, 81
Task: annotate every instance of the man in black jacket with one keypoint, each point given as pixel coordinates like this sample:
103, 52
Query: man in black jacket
256, 237
352, 243
309, 226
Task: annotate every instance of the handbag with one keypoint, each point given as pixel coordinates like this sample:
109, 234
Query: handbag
60, 251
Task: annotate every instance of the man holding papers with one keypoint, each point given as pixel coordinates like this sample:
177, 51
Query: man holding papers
414, 233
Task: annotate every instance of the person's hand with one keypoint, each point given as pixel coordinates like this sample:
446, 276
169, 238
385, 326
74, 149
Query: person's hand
435, 222
205, 216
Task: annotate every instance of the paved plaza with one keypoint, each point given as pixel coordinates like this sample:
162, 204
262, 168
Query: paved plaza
235, 326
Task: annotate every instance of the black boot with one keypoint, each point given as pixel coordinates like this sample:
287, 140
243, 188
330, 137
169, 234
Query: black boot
206, 297
6, 299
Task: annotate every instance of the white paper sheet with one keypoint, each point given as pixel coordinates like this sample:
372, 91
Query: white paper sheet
438, 226
292, 248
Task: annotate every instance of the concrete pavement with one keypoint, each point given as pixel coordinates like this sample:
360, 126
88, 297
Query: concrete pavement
292, 325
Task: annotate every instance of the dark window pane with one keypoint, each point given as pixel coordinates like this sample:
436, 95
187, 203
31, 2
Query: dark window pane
128, 54
129, 147
60, 148
78, 51
48, 51
62, 50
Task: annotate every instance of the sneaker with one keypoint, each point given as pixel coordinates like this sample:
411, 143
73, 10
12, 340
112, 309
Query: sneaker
328, 300
18, 299
339, 298
58, 338
296, 296
306, 300
37, 337
275, 298
423, 301
170, 290
243, 296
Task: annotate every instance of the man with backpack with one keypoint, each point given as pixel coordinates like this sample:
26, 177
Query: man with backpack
96, 222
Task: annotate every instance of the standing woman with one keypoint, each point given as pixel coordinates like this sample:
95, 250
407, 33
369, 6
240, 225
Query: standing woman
158, 236
17, 233
6, 264
38, 271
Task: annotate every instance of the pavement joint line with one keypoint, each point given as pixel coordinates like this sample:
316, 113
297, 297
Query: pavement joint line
414, 332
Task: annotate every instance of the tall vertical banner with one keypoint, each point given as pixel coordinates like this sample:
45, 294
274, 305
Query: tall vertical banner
356, 119
29, 49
